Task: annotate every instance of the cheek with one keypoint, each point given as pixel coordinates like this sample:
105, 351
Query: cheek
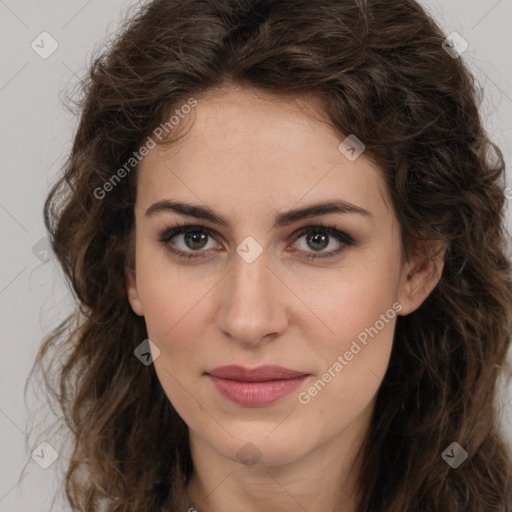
173, 297
174, 311
354, 350
349, 305
354, 341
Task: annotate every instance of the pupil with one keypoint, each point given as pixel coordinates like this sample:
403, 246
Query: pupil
315, 239
195, 237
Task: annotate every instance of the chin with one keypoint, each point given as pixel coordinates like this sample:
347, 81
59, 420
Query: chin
256, 449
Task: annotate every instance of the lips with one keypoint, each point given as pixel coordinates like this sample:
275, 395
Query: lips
260, 374
255, 387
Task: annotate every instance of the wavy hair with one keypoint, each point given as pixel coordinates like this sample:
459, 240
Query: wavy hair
381, 73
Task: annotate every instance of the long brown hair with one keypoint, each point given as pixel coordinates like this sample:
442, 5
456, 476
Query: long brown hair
382, 73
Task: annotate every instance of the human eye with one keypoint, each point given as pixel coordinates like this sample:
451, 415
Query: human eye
320, 235
194, 240
190, 241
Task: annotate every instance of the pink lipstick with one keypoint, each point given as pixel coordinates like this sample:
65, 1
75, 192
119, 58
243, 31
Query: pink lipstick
255, 387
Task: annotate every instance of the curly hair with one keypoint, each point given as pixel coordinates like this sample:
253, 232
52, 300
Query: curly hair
381, 73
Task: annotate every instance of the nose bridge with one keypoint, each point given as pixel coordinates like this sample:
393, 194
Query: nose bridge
251, 306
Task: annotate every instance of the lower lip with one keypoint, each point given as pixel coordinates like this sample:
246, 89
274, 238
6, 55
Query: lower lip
252, 394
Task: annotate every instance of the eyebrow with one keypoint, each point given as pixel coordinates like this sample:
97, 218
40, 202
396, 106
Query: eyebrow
282, 219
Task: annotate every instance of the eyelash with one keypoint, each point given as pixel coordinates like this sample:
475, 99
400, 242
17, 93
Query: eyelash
180, 229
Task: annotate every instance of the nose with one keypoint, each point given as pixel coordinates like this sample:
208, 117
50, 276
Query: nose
253, 306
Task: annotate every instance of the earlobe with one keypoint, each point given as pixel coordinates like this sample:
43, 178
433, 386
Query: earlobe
421, 274
132, 293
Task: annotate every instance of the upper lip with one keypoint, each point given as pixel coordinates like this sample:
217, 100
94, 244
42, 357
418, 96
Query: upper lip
259, 374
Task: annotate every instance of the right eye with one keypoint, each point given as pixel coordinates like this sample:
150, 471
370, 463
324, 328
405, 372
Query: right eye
195, 238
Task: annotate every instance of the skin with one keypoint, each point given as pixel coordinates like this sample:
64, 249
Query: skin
250, 156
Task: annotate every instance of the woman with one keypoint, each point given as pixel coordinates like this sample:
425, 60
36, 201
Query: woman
284, 228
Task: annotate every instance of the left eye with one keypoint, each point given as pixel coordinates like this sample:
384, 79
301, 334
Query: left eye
318, 237
195, 238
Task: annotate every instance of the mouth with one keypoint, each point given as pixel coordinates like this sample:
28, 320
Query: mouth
255, 387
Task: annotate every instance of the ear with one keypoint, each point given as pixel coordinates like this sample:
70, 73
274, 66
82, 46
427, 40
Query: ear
421, 273
130, 284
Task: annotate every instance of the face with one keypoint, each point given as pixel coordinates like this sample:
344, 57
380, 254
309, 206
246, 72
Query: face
249, 284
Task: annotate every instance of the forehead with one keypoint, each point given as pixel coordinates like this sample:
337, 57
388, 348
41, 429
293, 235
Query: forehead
244, 146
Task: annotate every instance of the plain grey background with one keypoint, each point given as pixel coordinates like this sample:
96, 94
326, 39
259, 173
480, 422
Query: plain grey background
36, 133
